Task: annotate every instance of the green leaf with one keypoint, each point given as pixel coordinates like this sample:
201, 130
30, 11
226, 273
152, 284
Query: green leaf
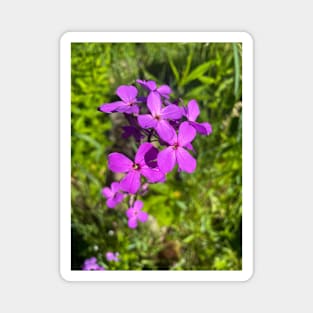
182, 205
189, 238
174, 69
207, 80
198, 72
237, 70
187, 68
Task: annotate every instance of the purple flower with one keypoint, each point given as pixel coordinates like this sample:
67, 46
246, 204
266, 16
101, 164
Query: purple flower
128, 104
175, 124
91, 265
111, 256
189, 147
132, 131
135, 214
176, 153
151, 86
192, 112
143, 165
158, 117
113, 195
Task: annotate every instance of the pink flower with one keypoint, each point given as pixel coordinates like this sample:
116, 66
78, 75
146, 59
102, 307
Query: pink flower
142, 165
135, 214
92, 265
111, 256
151, 86
113, 195
128, 104
176, 153
159, 116
192, 112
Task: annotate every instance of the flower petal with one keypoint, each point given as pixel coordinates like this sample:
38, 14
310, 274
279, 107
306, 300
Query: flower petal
164, 91
119, 163
115, 196
138, 204
132, 223
142, 150
167, 159
92, 260
119, 197
111, 203
151, 157
172, 111
115, 187
131, 182
189, 147
142, 216
154, 103
130, 213
149, 85
128, 109
153, 175
186, 134
185, 111
202, 128
107, 192
127, 93
192, 110
166, 131
175, 124
185, 161
147, 121
109, 256
110, 107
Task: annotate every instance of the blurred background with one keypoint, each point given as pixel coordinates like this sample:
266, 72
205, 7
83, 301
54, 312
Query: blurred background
195, 219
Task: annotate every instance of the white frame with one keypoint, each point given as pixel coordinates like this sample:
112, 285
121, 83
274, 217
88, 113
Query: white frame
247, 156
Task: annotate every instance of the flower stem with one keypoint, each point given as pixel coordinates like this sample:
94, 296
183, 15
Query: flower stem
150, 135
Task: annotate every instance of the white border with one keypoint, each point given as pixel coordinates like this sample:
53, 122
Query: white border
65, 156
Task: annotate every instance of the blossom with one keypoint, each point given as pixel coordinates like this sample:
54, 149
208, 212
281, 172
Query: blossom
176, 153
159, 116
91, 265
174, 128
111, 256
113, 195
151, 86
192, 112
142, 165
128, 104
135, 214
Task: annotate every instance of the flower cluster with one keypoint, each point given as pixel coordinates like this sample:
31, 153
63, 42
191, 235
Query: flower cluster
163, 131
111, 256
92, 265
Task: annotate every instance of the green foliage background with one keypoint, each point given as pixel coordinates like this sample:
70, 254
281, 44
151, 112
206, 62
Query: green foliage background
195, 219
